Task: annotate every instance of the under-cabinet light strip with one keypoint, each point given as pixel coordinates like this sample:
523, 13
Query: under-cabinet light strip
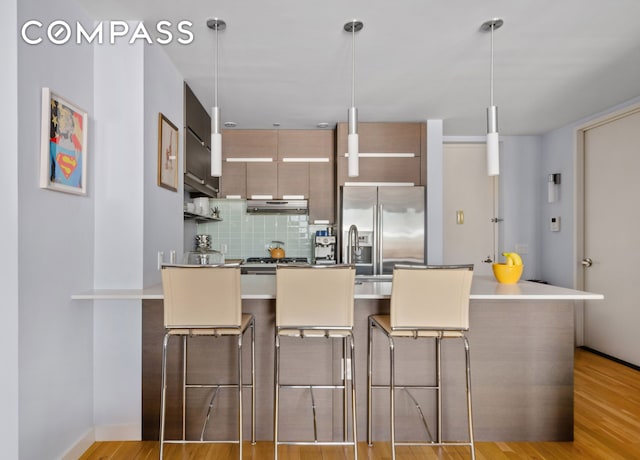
305, 160
380, 184
249, 160
384, 155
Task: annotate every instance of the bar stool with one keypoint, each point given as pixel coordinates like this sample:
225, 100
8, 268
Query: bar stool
205, 300
426, 302
316, 302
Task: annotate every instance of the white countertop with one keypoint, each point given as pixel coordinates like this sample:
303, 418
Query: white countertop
263, 287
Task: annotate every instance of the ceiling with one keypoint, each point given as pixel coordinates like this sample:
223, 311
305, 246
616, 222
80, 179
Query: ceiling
290, 61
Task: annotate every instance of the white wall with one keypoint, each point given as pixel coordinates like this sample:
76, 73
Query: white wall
435, 193
134, 218
521, 193
64, 392
163, 93
9, 233
559, 259
56, 241
119, 110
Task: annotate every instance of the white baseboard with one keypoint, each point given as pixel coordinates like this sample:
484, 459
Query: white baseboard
80, 446
130, 432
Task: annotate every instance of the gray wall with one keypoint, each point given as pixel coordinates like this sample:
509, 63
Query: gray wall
60, 350
55, 247
559, 256
520, 198
9, 232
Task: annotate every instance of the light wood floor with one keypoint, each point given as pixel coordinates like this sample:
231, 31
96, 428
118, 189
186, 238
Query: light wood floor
607, 427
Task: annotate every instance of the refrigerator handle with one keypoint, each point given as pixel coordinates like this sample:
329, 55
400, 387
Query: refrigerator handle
374, 242
379, 258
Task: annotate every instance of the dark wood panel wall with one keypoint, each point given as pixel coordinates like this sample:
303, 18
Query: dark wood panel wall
522, 374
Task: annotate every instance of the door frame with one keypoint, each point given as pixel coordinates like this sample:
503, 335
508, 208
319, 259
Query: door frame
580, 205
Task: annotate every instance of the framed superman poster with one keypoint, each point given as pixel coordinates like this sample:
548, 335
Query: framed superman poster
63, 163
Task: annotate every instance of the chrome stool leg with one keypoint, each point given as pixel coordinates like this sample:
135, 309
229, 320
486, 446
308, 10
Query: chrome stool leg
369, 383
392, 396
163, 399
253, 381
469, 412
439, 387
240, 394
353, 399
276, 396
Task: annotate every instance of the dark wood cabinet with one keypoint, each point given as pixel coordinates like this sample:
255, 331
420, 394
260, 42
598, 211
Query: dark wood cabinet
249, 163
322, 192
293, 179
262, 180
306, 167
306, 143
279, 164
390, 152
197, 150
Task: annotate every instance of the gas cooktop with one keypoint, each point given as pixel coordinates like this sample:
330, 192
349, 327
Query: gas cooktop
271, 260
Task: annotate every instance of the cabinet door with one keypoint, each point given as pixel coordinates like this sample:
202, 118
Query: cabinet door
398, 153
234, 180
293, 179
250, 143
195, 157
196, 117
305, 143
262, 179
389, 137
321, 192
383, 170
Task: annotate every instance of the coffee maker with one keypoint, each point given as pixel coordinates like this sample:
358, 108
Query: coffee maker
324, 248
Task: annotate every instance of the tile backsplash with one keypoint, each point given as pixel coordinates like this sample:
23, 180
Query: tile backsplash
240, 235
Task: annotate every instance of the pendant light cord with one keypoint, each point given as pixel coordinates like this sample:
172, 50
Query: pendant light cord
491, 90
215, 84
353, 64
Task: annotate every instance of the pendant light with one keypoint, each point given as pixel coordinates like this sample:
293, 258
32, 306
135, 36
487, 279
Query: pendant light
352, 142
493, 142
216, 137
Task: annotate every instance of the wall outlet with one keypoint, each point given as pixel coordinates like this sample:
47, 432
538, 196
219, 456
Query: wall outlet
554, 224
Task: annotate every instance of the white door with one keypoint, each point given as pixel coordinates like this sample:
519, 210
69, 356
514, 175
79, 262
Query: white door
612, 236
470, 236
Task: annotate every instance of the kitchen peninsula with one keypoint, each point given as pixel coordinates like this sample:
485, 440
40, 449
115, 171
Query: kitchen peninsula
522, 345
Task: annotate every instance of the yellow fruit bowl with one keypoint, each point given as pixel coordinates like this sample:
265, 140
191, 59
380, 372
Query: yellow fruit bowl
507, 274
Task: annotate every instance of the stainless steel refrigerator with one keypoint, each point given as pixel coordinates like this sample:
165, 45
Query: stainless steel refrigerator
390, 223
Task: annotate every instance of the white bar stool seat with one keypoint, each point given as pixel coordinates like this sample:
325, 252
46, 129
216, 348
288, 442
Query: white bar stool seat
205, 300
429, 302
316, 302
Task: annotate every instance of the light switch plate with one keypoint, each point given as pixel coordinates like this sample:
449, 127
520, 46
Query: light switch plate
554, 224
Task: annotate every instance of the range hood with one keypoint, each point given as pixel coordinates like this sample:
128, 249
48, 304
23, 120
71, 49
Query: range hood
277, 206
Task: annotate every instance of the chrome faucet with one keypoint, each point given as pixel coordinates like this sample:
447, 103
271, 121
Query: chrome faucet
353, 249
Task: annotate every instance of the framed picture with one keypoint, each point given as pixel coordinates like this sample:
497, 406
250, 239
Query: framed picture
167, 154
63, 151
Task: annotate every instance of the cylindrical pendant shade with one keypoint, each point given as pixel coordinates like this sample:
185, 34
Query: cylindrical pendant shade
353, 161
493, 154
216, 154
492, 119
